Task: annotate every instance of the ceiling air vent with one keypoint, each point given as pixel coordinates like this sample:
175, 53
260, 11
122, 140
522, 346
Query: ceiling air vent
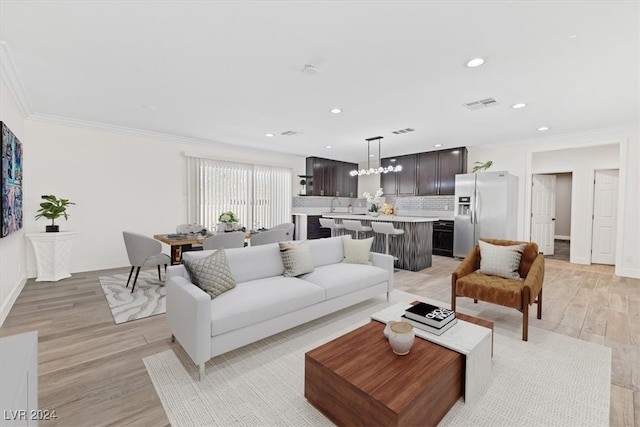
289, 133
482, 104
401, 131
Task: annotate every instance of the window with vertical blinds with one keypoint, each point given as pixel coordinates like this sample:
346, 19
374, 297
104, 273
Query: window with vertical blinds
259, 196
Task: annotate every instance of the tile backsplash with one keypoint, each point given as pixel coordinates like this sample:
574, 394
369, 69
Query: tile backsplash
412, 205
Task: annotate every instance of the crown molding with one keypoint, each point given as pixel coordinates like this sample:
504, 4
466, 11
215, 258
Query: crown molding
9, 75
142, 133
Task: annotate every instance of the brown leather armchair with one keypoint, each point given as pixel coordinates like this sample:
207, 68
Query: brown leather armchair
518, 294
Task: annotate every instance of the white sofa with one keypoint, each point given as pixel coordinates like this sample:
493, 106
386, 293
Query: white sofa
264, 302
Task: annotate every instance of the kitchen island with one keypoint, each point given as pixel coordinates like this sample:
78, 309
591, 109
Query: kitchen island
413, 248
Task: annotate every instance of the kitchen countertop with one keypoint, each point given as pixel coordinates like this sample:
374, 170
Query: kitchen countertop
394, 218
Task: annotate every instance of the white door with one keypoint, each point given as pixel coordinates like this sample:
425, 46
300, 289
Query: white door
543, 212
605, 212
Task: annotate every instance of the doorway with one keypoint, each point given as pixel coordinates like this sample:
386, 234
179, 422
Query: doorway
551, 214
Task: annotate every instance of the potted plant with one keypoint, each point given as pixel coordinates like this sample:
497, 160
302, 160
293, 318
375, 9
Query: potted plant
53, 208
303, 182
227, 218
374, 201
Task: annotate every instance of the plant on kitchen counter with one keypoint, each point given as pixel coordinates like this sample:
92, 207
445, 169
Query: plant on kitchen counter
374, 200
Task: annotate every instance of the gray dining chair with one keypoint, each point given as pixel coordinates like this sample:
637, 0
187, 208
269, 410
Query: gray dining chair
143, 251
225, 241
270, 236
288, 227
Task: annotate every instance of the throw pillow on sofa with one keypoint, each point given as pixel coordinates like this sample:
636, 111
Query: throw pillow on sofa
211, 274
502, 261
356, 251
296, 258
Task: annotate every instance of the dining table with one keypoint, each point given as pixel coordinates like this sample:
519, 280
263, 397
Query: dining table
180, 243
183, 242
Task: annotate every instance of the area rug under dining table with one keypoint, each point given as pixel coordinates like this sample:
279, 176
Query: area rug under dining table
551, 380
147, 299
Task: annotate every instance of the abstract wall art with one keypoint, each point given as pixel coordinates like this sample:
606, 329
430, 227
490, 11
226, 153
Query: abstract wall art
11, 204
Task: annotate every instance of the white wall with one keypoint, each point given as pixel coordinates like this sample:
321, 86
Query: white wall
620, 148
118, 182
12, 248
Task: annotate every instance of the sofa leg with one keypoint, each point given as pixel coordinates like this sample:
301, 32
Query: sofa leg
173, 338
475, 301
387, 296
200, 371
525, 322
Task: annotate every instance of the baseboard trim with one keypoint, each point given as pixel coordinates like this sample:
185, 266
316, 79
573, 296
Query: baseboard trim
6, 307
628, 272
562, 237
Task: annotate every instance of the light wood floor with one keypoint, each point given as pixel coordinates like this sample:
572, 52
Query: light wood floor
91, 370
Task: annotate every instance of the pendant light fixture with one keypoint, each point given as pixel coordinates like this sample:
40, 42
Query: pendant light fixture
371, 171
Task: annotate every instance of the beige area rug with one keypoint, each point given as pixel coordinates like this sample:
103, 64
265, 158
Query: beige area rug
148, 298
551, 380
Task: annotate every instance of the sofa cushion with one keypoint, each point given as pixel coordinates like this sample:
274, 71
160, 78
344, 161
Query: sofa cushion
255, 262
296, 257
326, 251
211, 274
357, 251
341, 279
259, 300
494, 289
502, 261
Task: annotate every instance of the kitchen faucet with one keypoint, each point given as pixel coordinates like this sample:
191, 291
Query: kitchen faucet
333, 200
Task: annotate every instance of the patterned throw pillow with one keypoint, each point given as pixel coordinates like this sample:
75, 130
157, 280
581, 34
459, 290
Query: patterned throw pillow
503, 261
356, 251
296, 258
211, 274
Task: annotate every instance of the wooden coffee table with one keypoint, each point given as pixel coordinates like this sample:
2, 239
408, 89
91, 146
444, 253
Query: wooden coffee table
356, 379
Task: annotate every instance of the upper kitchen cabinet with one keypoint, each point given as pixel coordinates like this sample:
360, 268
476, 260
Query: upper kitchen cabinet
401, 183
425, 174
437, 171
331, 178
450, 163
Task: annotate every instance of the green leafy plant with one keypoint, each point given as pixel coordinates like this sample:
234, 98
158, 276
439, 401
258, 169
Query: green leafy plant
479, 166
53, 208
227, 217
303, 182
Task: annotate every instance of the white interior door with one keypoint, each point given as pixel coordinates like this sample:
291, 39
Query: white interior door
605, 212
543, 212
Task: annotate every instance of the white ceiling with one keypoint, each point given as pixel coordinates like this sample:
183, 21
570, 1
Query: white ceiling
231, 71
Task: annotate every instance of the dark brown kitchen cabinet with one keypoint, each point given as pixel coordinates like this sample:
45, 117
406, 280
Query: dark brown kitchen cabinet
407, 176
450, 163
437, 171
314, 230
424, 174
427, 182
331, 178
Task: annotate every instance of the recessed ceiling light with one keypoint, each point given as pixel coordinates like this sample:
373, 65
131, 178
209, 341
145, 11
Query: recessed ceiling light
149, 107
336, 110
268, 134
329, 146
475, 62
543, 128
372, 155
309, 69
519, 105
573, 36
437, 145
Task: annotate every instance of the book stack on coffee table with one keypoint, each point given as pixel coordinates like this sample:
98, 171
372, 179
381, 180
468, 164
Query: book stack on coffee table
430, 318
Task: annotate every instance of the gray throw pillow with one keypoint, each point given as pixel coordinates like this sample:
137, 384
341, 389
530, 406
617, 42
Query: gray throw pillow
211, 274
502, 261
296, 258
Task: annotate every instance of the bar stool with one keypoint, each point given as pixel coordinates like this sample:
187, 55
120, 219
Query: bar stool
356, 226
331, 223
387, 229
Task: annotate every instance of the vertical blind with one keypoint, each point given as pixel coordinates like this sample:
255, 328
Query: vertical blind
259, 196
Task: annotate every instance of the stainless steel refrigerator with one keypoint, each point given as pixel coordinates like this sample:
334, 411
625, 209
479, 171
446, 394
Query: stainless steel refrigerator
486, 205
